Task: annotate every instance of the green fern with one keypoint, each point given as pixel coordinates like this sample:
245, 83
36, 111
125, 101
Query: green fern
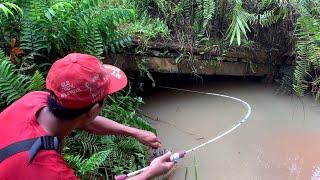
34, 39
75, 161
37, 82
302, 69
12, 84
94, 162
162, 5
84, 143
268, 18
95, 43
107, 21
239, 25
208, 11
9, 9
2, 56
308, 49
241, 19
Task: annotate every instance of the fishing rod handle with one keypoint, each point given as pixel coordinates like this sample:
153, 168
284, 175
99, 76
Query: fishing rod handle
173, 158
176, 156
121, 177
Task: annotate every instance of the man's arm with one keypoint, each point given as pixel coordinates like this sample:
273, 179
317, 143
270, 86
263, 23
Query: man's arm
104, 126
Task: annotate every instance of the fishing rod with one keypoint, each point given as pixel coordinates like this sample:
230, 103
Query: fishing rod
176, 156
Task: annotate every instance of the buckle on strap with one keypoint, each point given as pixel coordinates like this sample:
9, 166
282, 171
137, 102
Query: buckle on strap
51, 143
44, 143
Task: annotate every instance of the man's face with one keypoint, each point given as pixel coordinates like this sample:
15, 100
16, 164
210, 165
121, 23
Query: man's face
93, 113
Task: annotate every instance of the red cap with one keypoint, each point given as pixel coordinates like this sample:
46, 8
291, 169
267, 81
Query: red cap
80, 80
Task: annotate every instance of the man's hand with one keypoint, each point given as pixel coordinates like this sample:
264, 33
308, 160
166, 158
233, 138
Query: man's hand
147, 138
104, 126
160, 166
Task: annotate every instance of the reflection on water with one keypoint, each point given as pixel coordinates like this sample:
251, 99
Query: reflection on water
279, 140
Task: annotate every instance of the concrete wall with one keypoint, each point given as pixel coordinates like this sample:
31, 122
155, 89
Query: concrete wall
236, 62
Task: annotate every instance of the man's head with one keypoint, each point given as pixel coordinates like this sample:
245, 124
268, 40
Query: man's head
79, 83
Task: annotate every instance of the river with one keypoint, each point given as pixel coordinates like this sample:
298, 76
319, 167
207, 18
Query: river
279, 141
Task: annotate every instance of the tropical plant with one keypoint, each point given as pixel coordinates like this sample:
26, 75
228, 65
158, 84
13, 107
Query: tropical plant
88, 26
14, 84
269, 13
51, 29
308, 48
208, 11
8, 9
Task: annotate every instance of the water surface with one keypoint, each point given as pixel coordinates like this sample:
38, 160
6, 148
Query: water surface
279, 141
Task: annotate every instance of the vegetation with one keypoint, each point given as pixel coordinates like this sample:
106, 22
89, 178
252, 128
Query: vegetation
207, 22
107, 156
308, 49
35, 33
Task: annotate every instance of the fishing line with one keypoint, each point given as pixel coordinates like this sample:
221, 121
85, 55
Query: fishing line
168, 123
176, 156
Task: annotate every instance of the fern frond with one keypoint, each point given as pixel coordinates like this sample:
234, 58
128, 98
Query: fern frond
94, 162
12, 84
37, 82
239, 25
75, 161
268, 18
9, 9
84, 143
307, 48
95, 44
209, 7
34, 40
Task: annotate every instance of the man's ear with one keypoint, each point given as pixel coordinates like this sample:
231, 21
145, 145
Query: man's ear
94, 111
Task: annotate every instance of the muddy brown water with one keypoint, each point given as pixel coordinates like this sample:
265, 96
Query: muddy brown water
280, 140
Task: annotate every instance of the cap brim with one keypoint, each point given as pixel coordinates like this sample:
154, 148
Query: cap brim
117, 78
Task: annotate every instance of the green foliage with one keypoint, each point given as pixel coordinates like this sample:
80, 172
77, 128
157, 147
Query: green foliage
33, 37
95, 43
147, 28
239, 25
122, 108
186, 173
195, 165
88, 168
13, 84
37, 82
195, 168
286, 80
51, 29
9, 9
208, 11
242, 20
144, 71
107, 156
48, 30
308, 48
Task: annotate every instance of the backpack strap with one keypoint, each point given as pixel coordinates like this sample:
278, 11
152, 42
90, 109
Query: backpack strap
33, 145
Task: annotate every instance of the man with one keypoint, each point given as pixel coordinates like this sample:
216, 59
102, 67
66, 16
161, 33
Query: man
77, 85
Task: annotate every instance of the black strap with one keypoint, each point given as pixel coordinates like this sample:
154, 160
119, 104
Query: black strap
33, 145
